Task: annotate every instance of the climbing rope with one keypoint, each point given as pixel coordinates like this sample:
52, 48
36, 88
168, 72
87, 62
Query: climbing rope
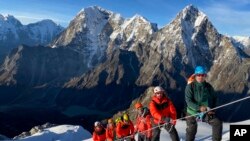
162, 125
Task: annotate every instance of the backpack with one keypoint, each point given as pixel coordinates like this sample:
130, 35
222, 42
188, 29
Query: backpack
191, 79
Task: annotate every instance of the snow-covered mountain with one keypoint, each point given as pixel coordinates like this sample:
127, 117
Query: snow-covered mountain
77, 133
131, 33
242, 45
245, 41
41, 32
58, 133
88, 33
95, 32
104, 59
166, 58
13, 33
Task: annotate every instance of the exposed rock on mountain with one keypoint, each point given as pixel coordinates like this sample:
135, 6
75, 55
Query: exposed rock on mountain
102, 62
88, 33
13, 33
38, 66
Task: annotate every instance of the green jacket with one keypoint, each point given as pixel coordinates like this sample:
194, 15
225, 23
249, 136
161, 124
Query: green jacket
198, 94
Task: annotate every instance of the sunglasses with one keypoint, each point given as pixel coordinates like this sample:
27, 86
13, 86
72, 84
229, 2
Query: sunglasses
159, 93
201, 75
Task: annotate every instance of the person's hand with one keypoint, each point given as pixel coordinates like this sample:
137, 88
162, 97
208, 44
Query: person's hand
211, 113
200, 116
166, 119
203, 108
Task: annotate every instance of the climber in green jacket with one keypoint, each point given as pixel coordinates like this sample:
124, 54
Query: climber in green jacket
200, 98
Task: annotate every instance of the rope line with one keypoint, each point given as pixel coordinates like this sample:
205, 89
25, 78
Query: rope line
159, 126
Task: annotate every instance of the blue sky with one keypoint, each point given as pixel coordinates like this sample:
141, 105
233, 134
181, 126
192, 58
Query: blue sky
231, 17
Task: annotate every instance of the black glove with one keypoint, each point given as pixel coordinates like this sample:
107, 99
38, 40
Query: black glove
148, 139
169, 127
166, 119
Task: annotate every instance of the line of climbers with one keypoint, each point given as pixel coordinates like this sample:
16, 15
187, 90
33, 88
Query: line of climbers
199, 97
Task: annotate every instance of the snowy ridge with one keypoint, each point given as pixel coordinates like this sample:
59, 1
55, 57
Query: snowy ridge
189, 21
59, 133
88, 33
201, 17
94, 8
134, 29
32, 34
44, 30
8, 25
245, 41
191, 26
95, 19
95, 30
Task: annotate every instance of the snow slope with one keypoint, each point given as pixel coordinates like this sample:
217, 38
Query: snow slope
60, 133
245, 41
77, 133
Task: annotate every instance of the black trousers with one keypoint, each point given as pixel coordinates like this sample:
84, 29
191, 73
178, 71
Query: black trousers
142, 137
192, 128
171, 130
127, 139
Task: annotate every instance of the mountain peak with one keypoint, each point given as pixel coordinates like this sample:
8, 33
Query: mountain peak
139, 17
48, 22
190, 8
11, 19
192, 11
189, 18
138, 20
93, 9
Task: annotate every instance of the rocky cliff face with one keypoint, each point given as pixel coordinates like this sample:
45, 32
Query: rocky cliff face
38, 66
169, 55
102, 62
88, 33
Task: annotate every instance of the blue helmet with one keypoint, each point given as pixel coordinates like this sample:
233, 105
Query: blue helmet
200, 70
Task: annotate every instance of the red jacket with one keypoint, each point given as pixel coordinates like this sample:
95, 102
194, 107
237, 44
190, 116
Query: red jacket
162, 108
123, 129
143, 124
99, 136
110, 133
